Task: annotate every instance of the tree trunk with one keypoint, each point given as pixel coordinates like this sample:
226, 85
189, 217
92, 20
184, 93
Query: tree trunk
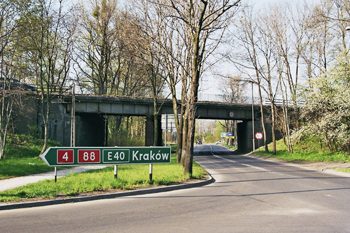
273, 127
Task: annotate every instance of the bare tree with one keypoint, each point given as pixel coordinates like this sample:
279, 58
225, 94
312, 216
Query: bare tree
96, 52
172, 43
248, 58
49, 48
199, 26
10, 59
203, 20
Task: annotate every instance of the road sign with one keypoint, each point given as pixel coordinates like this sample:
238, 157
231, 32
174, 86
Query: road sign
259, 136
231, 114
229, 134
75, 156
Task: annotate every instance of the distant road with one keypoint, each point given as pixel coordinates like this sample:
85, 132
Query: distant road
249, 195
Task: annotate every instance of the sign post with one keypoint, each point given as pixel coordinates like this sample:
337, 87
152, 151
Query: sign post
115, 171
79, 156
150, 172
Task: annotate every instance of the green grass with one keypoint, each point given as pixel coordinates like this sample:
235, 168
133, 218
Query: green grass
229, 146
130, 177
309, 150
19, 167
21, 154
21, 159
347, 170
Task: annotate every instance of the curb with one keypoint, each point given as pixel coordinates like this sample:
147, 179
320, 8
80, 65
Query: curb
106, 196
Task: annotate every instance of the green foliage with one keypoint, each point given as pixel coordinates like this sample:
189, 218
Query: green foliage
130, 177
326, 114
347, 170
119, 131
218, 129
21, 153
124, 139
173, 147
33, 131
307, 149
229, 146
24, 146
210, 131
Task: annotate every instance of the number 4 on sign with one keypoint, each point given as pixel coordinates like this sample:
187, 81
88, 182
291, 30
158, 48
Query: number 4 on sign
65, 156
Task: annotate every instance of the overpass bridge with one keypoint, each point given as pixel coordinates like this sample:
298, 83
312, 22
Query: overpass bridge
144, 107
91, 127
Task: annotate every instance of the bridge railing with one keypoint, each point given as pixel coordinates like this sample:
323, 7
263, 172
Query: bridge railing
227, 98
245, 100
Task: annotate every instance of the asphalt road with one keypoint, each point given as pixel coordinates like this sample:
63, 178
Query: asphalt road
249, 195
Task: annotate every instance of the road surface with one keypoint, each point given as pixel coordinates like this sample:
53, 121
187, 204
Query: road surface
249, 195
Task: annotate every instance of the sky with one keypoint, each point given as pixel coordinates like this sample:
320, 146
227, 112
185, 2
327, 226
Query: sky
211, 84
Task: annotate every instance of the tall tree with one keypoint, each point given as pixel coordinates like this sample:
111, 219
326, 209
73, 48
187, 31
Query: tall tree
170, 44
248, 59
199, 25
8, 67
205, 22
96, 47
49, 29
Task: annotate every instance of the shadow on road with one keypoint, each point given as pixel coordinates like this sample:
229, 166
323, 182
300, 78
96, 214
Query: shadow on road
210, 150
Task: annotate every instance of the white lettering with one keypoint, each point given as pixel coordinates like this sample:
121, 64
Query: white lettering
158, 156
152, 156
65, 156
134, 155
165, 156
109, 155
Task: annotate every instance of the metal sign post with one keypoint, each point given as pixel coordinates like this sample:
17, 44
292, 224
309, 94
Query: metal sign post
55, 174
150, 172
115, 171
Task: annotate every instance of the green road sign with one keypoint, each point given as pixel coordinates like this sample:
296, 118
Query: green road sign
75, 156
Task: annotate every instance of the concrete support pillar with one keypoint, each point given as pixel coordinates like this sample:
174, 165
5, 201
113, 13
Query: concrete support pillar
244, 143
149, 139
160, 133
91, 130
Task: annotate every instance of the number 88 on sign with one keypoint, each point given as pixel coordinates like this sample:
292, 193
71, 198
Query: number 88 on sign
89, 156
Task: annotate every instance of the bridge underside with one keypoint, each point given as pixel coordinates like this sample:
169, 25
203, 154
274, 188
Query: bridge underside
91, 127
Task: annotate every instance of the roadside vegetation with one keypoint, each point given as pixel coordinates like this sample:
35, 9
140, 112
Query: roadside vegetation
21, 156
229, 146
21, 159
130, 177
308, 150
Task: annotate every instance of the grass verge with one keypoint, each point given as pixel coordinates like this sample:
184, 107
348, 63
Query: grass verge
309, 150
20, 167
347, 170
229, 146
130, 177
21, 157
